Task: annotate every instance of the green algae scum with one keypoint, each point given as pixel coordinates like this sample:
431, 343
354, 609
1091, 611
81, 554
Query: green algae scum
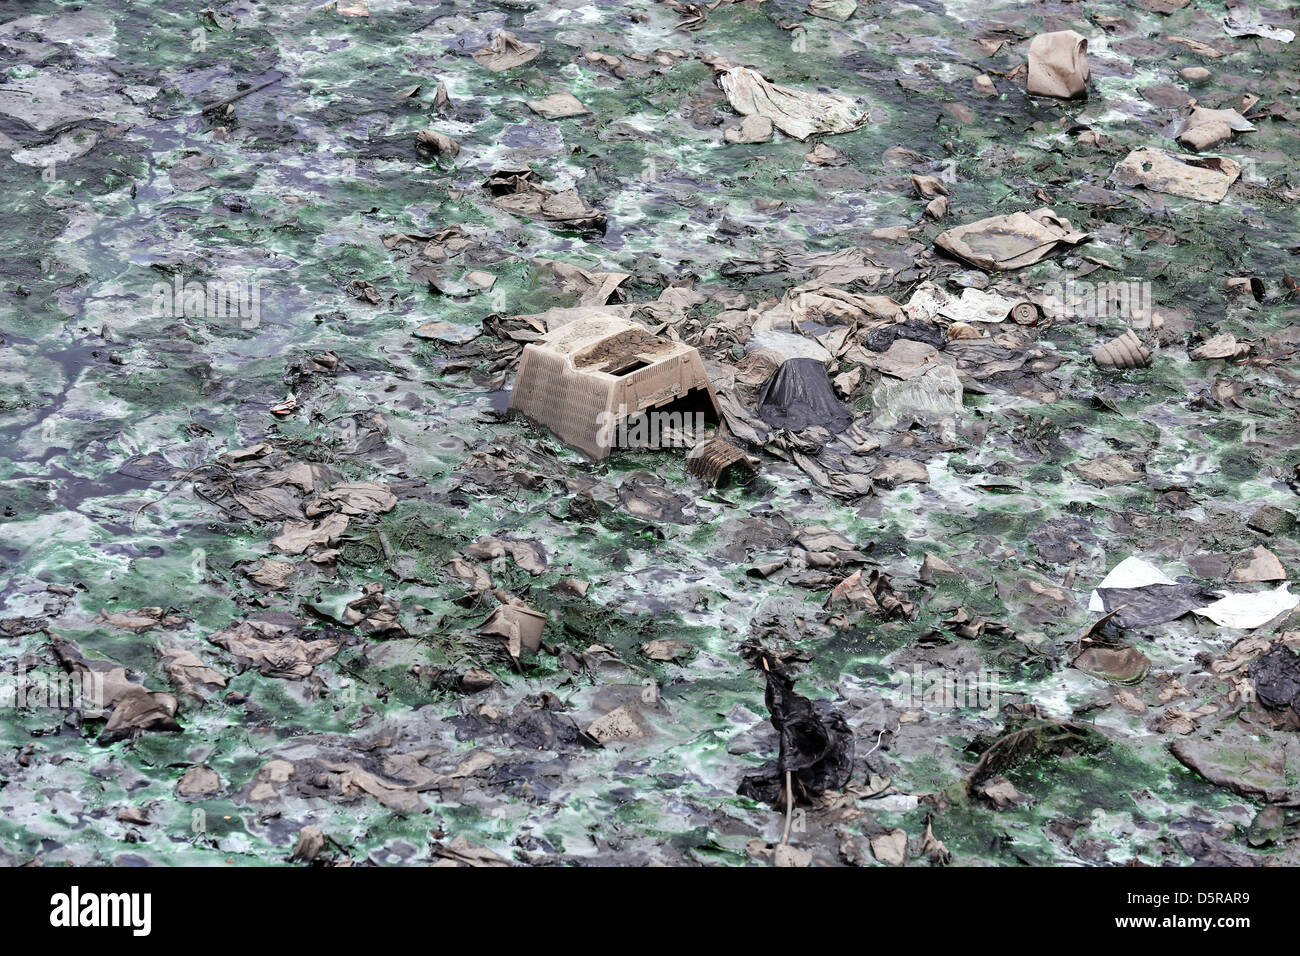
283, 582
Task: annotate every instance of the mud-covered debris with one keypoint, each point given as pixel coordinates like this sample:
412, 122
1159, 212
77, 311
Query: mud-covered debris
519, 625
783, 854
890, 848
934, 848
591, 288
198, 783
1012, 241
1124, 351
1030, 734
141, 619
874, 592
1000, 793
353, 498
1276, 678
448, 332
439, 144
460, 852
558, 106
714, 459
1272, 520
1262, 766
666, 649
374, 614
607, 62
505, 51
311, 842
1120, 665
838, 10
574, 586
528, 555
824, 154
1205, 127
272, 573
934, 567
1258, 564
816, 742
752, 129
1058, 65
1107, 471
189, 673
1267, 827
520, 191
1204, 178
279, 647
1223, 347
621, 723
797, 113
105, 688
301, 537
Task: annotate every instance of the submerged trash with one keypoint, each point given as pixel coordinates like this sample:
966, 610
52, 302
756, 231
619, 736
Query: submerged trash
1236, 24
521, 626
800, 396
796, 113
558, 106
1058, 65
520, 191
588, 380
1124, 351
506, 51
1276, 677
1205, 127
1248, 611
934, 395
1192, 177
816, 742
711, 459
1010, 242
972, 305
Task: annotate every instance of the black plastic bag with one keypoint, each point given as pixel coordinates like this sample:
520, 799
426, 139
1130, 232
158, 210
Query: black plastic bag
1153, 603
1276, 675
816, 740
800, 395
880, 340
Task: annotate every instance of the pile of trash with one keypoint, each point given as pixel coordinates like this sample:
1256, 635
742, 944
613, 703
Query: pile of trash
652, 433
